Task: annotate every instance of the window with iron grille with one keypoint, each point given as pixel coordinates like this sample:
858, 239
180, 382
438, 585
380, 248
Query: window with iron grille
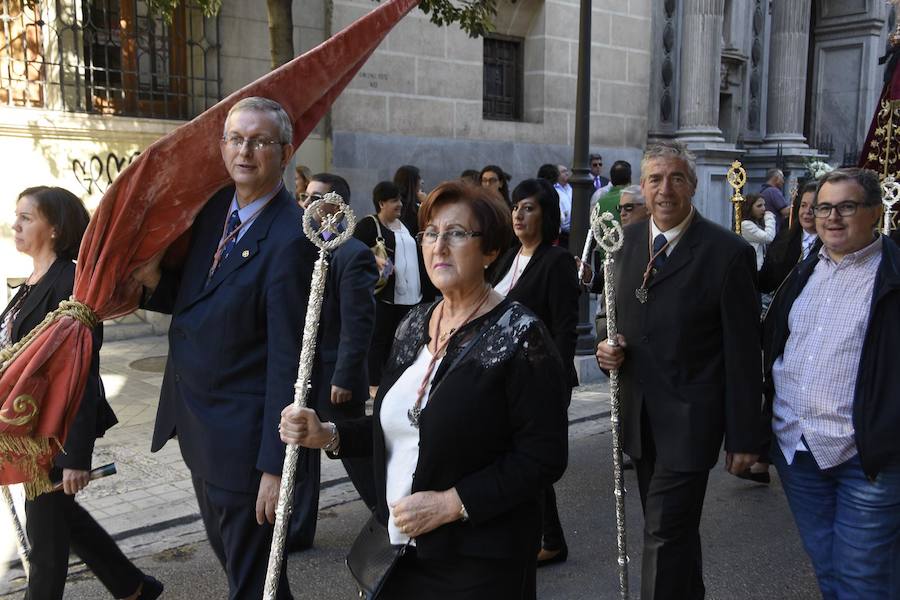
503, 74
109, 57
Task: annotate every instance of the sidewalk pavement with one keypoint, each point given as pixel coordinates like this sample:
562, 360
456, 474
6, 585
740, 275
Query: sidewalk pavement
149, 505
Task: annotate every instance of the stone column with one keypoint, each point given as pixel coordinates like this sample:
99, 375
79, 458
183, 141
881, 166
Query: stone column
701, 58
788, 51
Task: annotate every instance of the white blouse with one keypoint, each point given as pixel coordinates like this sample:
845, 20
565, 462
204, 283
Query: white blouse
401, 439
505, 285
407, 287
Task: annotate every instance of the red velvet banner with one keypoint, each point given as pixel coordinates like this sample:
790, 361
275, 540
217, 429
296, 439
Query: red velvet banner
148, 207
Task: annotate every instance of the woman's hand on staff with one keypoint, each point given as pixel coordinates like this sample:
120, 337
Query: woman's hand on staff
587, 275
302, 426
611, 357
75, 480
422, 512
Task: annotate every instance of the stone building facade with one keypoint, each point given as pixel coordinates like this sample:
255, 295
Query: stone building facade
87, 84
769, 82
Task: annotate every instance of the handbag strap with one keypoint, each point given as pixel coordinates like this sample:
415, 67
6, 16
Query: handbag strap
379, 237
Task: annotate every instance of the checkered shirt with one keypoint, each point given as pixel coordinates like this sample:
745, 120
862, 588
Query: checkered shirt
815, 377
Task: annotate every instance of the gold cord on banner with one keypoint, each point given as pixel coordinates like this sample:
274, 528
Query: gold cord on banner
23, 451
737, 178
67, 308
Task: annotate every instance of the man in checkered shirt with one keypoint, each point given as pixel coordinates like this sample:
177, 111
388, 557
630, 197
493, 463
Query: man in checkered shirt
832, 338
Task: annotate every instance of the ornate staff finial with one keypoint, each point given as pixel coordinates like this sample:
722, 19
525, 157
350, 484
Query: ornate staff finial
890, 194
328, 222
737, 178
607, 231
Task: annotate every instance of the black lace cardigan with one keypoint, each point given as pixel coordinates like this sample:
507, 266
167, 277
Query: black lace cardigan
494, 427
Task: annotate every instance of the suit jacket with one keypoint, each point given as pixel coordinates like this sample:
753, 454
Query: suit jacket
345, 329
549, 287
234, 343
494, 427
94, 414
693, 356
366, 232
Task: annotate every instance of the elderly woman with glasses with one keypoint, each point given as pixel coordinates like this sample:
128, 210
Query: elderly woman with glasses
469, 424
544, 278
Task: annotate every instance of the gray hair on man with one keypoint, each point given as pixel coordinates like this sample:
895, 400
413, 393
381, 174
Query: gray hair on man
635, 192
256, 103
774, 173
671, 149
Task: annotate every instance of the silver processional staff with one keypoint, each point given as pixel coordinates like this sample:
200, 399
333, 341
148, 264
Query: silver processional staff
328, 223
608, 233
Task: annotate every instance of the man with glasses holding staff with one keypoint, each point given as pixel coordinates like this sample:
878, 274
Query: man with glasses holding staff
831, 339
234, 341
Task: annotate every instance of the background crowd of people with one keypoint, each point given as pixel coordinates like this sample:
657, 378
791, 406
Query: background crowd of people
456, 312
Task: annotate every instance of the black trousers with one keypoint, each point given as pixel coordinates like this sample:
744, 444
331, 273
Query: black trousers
460, 578
551, 528
387, 317
55, 524
302, 526
672, 563
241, 545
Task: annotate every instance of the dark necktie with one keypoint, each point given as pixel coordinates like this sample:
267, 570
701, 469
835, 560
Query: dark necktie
658, 242
234, 221
596, 182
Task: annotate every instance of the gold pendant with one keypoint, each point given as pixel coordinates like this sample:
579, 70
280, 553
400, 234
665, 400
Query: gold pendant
642, 294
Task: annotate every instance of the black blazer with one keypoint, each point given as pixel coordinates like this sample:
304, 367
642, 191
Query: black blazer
495, 428
549, 287
94, 415
782, 256
345, 328
693, 358
234, 343
366, 232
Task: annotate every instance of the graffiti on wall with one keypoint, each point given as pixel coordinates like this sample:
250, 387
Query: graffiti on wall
97, 173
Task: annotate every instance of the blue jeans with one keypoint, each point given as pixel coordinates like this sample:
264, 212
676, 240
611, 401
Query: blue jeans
850, 526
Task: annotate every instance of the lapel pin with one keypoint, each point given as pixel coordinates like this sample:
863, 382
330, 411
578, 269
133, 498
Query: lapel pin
245, 253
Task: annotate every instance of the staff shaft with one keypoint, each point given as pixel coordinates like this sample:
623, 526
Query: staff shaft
618, 472
21, 539
301, 390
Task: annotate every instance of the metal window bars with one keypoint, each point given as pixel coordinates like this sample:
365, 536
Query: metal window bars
108, 57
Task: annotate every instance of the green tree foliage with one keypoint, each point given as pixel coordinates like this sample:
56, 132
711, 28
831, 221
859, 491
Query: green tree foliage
475, 17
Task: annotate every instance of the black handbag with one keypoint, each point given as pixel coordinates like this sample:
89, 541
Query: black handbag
372, 558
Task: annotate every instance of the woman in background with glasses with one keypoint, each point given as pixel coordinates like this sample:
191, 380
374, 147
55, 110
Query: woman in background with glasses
494, 178
469, 425
544, 278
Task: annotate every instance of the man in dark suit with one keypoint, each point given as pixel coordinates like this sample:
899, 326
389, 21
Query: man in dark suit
234, 342
340, 382
688, 355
